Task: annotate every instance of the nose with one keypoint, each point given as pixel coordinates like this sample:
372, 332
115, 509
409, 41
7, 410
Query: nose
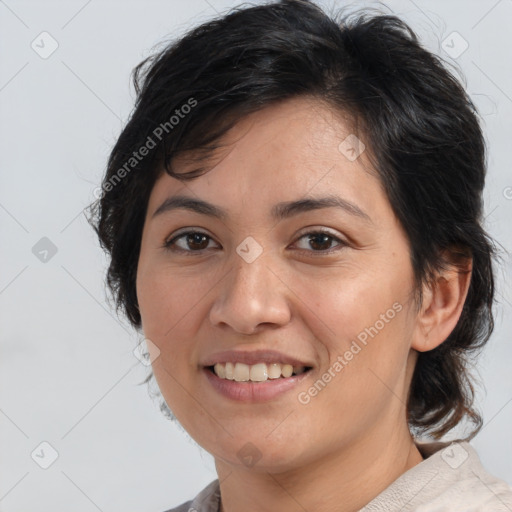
251, 297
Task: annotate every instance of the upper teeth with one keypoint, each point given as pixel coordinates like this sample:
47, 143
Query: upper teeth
256, 372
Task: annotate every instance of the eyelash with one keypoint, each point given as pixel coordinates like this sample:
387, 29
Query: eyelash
168, 245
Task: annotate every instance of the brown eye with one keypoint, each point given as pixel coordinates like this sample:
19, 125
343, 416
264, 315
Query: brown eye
191, 241
321, 242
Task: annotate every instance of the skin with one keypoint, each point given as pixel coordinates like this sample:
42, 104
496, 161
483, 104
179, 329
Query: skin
351, 440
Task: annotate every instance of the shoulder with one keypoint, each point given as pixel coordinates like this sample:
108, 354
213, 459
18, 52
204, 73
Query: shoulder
471, 487
206, 501
450, 478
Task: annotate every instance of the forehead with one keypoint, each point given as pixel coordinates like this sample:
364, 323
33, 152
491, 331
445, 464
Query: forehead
287, 130
298, 147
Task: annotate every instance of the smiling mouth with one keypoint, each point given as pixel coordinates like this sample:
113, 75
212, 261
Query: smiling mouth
260, 372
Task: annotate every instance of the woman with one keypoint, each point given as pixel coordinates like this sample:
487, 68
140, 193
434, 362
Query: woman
293, 215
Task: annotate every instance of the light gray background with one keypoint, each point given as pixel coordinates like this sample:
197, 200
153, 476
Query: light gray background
67, 372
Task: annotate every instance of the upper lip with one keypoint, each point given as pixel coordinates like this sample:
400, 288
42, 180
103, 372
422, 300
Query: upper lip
253, 357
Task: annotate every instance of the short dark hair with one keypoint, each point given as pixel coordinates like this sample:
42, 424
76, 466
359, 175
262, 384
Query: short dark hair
420, 126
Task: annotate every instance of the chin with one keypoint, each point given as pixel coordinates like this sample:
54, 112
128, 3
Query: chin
257, 454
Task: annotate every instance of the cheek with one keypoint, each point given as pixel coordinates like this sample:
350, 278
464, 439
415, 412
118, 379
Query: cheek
174, 304
342, 306
169, 308
166, 296
361, 320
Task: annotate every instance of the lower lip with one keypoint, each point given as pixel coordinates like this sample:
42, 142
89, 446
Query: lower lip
254, 391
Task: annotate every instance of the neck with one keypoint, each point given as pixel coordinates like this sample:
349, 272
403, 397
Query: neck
343, 481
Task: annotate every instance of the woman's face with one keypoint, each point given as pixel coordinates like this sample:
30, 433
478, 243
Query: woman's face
277, 282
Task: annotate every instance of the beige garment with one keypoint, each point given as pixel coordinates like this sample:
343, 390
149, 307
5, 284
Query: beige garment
450, 479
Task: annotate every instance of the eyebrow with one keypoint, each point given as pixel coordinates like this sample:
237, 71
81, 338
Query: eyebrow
279, 211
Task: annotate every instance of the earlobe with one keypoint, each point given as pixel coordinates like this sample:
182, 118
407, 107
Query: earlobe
443, 301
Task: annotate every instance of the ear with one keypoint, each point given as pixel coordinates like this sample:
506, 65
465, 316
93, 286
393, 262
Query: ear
442, 305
